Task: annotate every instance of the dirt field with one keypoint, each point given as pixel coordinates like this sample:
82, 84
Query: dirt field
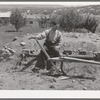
81, 77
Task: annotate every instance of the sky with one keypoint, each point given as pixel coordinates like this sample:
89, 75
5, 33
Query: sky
53, 3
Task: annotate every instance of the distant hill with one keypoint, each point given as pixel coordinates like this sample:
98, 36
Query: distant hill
33, 8
5, 7
93, 9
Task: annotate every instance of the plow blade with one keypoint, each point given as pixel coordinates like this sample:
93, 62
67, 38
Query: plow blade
70, 59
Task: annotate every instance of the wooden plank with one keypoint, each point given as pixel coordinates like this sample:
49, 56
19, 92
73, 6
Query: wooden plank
28, 64
70, 59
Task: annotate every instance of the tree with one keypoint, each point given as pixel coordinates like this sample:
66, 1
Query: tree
42, 21
70, 20
17, 19
91, 23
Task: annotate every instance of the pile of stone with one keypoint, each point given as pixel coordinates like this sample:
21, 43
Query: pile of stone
6, 53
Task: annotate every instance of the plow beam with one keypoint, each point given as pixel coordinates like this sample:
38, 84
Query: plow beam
70, 59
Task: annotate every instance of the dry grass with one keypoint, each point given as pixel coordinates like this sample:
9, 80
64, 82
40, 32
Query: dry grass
7, 33
11, 80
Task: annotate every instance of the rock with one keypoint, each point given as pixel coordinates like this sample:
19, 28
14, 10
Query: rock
15, 38
84, 88
23, 43
63, 77
82, 53
28, 51
79, 49
5, 47
11, 50
97, 38
1, 58
1, 84
50, 80
23, 88
54, 79
6, 55
69, 52
73, 81
1, 51
28, 34
52, 87
82, 82
76, 36
7, 52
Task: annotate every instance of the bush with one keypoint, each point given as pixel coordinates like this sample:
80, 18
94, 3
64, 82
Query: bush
17, 19
68, 19
91, 23
71, 20
43, 20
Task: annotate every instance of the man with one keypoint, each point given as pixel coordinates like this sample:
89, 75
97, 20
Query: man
53, 40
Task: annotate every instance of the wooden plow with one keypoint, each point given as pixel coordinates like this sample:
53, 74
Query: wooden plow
68, 59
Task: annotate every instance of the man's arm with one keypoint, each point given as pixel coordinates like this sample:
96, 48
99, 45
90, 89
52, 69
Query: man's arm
60, 39
41, 35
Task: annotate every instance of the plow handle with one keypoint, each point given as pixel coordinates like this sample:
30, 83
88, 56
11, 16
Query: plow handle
42, 49
48, 57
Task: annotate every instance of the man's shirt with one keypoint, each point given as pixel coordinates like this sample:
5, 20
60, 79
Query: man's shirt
50, 35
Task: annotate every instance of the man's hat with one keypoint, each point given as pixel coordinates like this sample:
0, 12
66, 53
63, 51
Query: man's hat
54, 23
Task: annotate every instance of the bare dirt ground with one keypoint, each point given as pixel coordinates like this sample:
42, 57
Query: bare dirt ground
83, 76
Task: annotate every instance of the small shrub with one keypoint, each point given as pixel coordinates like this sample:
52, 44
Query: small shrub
42, 21
17, 19
91, 23
68, 19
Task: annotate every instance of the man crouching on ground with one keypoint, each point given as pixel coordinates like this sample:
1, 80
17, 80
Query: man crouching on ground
53, 41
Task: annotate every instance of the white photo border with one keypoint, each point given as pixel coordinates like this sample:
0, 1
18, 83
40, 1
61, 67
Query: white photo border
48, 93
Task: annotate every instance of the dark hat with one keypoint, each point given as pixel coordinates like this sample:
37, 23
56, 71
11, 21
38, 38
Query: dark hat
54, 23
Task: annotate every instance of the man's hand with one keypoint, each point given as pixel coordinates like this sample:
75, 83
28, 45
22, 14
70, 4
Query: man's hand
57, 47
33, 37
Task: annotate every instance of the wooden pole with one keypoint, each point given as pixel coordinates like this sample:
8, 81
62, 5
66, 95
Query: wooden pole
70, 59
